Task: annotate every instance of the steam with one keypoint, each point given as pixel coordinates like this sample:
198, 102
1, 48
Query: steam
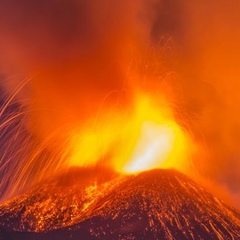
78, 54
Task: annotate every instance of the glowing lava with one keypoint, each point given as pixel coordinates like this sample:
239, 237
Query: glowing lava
149, 137
156, 204
153, 148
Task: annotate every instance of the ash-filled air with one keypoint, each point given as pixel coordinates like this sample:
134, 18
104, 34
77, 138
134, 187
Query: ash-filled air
71, 70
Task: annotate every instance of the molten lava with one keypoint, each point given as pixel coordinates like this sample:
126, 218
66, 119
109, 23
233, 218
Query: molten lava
146, 138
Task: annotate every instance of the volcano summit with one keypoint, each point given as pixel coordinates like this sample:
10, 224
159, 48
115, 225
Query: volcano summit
157, 204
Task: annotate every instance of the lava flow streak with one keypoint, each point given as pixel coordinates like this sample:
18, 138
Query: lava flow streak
157, 204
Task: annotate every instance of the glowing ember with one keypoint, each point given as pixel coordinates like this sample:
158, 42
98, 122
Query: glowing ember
147, 138
157, 204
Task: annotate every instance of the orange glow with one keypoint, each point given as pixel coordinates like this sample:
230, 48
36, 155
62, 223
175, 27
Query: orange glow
144, 139
153, 148
115, 68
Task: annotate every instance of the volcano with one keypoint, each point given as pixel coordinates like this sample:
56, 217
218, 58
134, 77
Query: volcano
156, 204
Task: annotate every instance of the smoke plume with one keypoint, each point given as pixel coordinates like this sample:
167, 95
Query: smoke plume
77, 55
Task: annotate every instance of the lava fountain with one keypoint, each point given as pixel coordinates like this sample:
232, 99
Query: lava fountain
144, 138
